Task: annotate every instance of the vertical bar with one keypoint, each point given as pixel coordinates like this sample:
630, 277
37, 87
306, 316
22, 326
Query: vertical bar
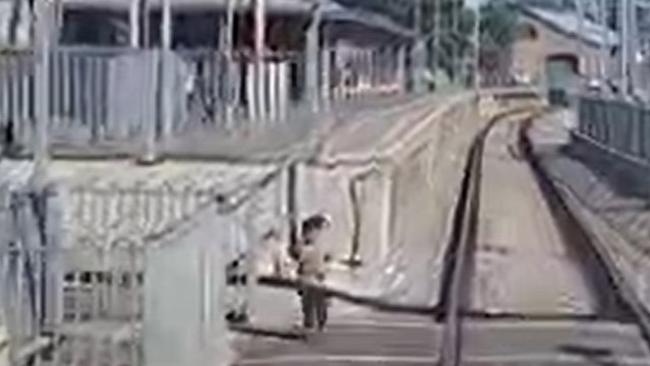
134, 24
38, 260
250, 93
312, 55
77, 91
4, 91
326, 84
283, 90
401, 68
150, 106
477, 50
133, 302
273, 91
56, 89
605, 40
436, 35
168, 71
230, 80
582, 60
625, 50
292, 211
260, 44
92, 101
19, 301
66, 75
14, 78
43, 33
25, 95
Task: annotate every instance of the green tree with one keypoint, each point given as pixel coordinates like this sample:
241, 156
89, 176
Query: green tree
498, 31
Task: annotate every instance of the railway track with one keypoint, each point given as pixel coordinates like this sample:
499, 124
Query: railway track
473, 333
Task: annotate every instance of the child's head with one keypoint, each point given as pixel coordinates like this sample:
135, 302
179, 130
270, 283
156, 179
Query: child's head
313, 225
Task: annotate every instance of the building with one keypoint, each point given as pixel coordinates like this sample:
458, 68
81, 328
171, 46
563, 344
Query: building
554, 47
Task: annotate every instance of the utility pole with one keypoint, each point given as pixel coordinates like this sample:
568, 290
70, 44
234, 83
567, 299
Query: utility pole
312, 57
436, 35
605, 40
229, 62
454, 45
134, 24
260, 42
43, 31
168, 72
625, 49
633, 39
477, 49
418, 49
582, 61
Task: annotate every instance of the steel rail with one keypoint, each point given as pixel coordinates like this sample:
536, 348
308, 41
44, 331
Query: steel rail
458, 271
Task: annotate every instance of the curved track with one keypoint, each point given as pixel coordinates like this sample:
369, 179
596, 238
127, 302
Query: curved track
524, 283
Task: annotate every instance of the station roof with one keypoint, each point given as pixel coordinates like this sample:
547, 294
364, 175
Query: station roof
338, 14
567, 23
333, 12
272, 6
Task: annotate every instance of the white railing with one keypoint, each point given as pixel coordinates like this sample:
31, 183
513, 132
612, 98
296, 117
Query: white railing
111, 95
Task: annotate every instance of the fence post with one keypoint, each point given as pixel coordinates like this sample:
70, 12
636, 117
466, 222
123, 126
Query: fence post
292, 193
260, 69
283, 90
326, 57
401, 69
168, 71
43, 31
229, 63
313, 38
149, 118
273, 90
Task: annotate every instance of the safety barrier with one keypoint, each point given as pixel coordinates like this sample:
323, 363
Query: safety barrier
621, 127
98, 95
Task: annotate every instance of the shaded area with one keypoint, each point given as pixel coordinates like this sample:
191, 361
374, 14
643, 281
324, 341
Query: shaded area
611, 302
613, 305
625, 178
592, 354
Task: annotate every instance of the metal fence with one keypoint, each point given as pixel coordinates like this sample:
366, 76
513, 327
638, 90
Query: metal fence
104, 95
621, 127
